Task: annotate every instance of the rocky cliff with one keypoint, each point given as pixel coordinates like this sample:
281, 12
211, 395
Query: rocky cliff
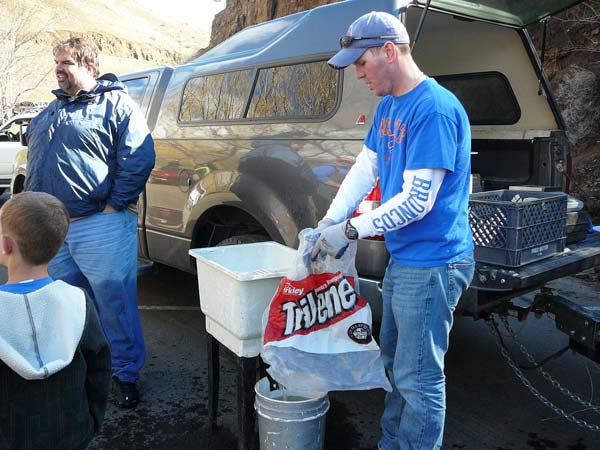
239, 14
115, 46
572, 64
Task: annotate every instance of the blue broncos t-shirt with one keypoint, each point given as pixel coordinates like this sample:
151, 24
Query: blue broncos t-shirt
427, 128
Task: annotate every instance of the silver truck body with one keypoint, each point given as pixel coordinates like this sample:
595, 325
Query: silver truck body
215, 178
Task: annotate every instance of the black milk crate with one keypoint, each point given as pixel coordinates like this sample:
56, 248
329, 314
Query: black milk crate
514, 228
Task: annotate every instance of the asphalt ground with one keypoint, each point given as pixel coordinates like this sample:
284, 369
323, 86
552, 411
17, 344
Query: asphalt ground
488, 406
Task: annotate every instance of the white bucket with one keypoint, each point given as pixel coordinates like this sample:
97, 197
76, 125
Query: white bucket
236, 284
293, 422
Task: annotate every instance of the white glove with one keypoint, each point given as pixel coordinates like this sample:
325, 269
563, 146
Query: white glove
323, 223
332, 241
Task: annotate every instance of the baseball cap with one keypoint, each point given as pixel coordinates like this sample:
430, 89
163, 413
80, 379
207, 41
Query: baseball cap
370, 30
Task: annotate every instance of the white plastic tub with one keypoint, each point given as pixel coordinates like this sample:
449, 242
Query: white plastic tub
236, 284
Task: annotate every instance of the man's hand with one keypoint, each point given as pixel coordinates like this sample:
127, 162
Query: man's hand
332, 241
324, 223
108, 209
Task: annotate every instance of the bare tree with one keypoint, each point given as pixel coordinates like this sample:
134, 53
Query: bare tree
586, 15
22, 22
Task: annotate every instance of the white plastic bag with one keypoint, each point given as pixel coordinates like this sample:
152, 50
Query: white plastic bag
317, 331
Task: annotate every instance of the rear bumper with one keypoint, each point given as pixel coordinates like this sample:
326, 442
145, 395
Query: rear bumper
576, 257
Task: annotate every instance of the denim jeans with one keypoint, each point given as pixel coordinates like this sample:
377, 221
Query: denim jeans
418, 303
100, 256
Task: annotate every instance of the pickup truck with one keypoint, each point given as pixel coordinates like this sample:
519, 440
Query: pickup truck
254, 137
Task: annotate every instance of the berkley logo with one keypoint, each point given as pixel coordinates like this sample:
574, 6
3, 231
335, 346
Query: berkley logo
318, 309
292, 290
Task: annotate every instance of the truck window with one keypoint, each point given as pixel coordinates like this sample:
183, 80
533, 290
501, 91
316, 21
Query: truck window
487, 97
294, 92
136, 89
221, 96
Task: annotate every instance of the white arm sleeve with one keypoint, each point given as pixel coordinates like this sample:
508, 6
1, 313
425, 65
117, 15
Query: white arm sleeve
419, 191
356, 185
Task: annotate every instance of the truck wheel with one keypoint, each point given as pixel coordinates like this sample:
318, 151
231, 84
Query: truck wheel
243, 239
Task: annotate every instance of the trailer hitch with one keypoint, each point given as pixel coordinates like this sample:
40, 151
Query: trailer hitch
579, 321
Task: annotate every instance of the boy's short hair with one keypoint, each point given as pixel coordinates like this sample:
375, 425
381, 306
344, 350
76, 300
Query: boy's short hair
38, 223
81, 50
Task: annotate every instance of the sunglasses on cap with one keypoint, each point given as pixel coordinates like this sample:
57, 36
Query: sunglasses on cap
346, 41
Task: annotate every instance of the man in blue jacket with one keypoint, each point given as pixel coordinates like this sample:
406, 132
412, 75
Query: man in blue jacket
91, 148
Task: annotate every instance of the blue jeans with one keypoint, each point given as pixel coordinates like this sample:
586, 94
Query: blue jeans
418, 303
100, 256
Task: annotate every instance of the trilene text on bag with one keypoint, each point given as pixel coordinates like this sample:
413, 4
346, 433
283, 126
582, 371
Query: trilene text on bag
319, 305
315, 320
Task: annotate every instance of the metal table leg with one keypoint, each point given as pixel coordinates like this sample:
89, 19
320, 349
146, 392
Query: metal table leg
246, 379
245, 395
213, 381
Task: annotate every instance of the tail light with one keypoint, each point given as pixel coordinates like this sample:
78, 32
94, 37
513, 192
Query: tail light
371, 201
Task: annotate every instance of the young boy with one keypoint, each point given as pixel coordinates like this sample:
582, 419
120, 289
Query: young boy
55, 361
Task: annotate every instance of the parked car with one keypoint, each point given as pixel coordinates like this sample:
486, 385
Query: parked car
10, 143
254, 136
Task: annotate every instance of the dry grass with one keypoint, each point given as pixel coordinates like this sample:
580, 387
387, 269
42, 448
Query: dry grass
126, 19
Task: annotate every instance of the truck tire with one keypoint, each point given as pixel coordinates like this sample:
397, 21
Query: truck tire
243, 239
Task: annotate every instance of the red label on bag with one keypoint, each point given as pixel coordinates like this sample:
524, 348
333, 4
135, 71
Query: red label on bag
313, 303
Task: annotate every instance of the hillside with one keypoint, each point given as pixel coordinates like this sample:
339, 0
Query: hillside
130, 38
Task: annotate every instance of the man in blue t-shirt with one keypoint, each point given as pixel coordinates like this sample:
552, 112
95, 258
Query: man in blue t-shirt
419, 147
